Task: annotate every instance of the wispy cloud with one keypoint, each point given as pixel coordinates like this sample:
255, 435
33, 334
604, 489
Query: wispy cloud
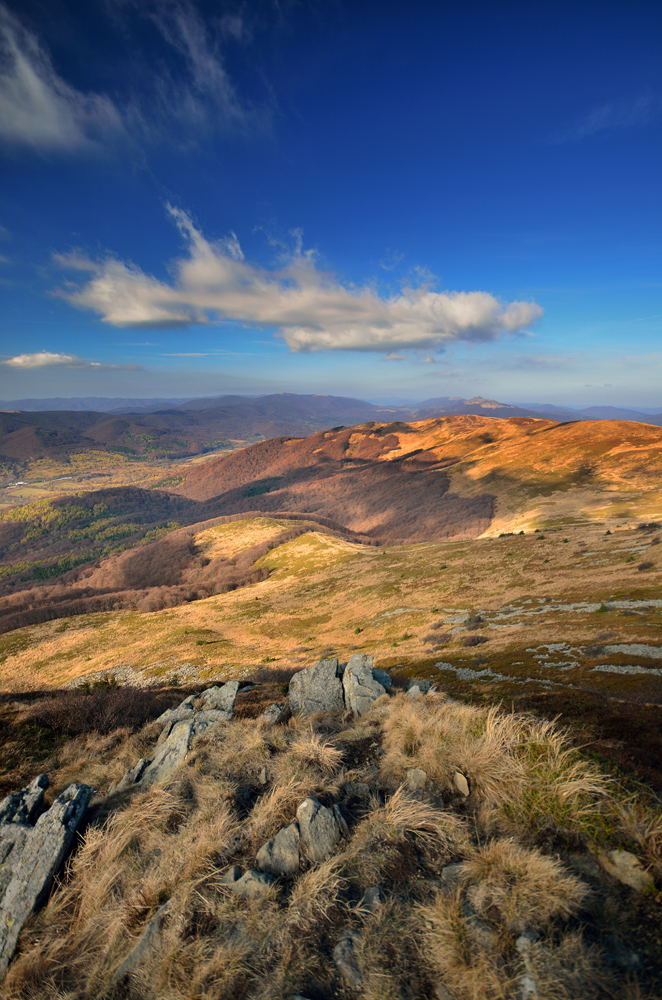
191, 93
612, 116
37, 107
309, 307
56, 359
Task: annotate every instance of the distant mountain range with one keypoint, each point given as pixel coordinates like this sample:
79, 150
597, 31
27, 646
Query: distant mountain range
175, 429
321, 404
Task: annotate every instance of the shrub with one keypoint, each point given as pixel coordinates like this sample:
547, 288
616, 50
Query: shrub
474, 640
645, 565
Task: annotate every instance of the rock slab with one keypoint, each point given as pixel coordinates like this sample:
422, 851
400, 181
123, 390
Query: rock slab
359, 685
34, 856
320, 828
317, 688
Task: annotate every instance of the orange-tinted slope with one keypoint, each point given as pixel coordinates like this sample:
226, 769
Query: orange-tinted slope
394, 480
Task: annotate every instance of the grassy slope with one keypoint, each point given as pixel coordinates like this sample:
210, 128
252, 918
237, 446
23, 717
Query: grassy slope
326, 595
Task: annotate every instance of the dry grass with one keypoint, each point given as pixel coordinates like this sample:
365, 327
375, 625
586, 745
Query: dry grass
242, 782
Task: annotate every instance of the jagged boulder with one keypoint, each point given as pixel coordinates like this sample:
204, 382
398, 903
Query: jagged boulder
280, 855
359, 685
169, 755
317, 688
320, 828
220, 698
30, 856
215, 699
250, 885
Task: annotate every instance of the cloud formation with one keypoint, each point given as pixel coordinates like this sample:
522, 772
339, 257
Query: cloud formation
53, 359
609, 117
308, 306
37, 107
191, 92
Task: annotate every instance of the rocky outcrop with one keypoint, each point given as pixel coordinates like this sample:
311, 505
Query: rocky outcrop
328, 686
317, 688
250, 885
359, 686
215, 704
31, 855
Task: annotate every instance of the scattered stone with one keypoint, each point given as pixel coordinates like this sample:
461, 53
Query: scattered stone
416, 780
232, 875
461, 784
320, 828
422, 685
382, 678
146, 943
479, 931
528, 988
280, 855
360, 687
273, 715
372, 899
251, 885
317, 688
627, 868
414, 692
30, 856
441, 993
346, 958
262, 776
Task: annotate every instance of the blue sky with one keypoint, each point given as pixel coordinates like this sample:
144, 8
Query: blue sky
371, 199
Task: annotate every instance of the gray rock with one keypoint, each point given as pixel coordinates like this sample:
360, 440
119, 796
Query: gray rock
416, 781
382, 678
23, 806
372, 899
169, 755
441, 993
252, 884
357, 790
528, 988
360, 687
204, 720
148, 940
272, 715
320, 828
345, 955
179, 714
232, 875
263, 777
422, 685
627, 868
479, 932
414, 692
317, 689
280, 855
221, 698
34, 857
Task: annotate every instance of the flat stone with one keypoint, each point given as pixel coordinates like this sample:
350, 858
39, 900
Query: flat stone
320, 828
206, 719
317, 689
627, 868
360, 687
34, 859
345, 956
145, 945
252, 884
451, 876
461, 784
280, 855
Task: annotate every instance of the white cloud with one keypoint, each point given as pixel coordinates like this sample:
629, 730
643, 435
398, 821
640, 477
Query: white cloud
53, 359
616, 115
309, 307
37, 107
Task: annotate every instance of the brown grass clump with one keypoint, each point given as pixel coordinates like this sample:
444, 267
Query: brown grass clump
524, 887
241, 783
